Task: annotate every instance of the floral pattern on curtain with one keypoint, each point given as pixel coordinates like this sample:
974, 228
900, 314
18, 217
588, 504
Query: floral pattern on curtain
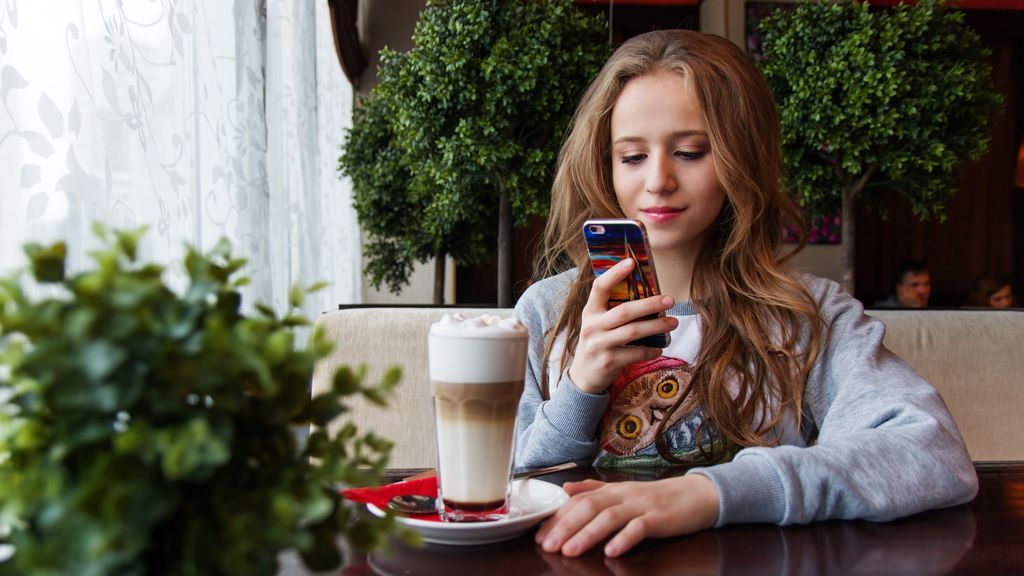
199, 119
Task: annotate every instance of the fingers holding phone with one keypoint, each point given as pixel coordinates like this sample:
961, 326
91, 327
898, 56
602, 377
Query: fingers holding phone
607, 336
602, 298
644, 313
624, 319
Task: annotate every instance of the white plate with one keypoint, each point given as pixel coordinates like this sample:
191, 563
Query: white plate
531, 501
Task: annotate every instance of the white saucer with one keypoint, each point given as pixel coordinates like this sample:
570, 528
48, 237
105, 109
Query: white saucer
531, 501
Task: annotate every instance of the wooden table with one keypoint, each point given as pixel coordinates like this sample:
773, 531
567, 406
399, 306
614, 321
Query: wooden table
983, 537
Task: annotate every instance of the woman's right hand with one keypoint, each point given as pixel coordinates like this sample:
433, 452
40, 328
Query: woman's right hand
602, 349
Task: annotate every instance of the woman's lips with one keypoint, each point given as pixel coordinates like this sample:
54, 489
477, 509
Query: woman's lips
661, 213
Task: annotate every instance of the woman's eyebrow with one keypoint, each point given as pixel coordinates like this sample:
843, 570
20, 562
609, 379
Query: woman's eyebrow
673, 135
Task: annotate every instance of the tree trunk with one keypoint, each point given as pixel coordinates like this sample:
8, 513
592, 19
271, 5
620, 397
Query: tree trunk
852, 190
849, 215
439, 267
504, 248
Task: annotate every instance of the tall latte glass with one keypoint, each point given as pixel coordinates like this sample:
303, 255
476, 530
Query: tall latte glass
477, 367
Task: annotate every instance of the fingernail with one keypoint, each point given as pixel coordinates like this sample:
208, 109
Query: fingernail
550, 544
667, 301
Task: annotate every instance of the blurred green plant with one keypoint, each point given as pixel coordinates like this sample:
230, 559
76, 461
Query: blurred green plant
147, 432
876, 102
458, 140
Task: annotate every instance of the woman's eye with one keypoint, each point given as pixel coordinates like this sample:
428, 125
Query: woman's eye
633, 158
690, 154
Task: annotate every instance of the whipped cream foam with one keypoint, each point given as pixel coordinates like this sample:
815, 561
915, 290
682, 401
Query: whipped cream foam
478, 350
483, 326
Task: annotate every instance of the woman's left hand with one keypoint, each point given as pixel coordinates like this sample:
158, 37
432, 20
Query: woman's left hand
635, 510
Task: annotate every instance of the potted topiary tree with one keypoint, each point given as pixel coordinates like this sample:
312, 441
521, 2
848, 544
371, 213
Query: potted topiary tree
876, 102
144, 431
458, 140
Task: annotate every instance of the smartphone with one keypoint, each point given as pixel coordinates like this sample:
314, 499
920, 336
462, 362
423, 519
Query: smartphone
612, 240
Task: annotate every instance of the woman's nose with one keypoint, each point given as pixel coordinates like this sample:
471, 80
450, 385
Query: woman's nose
661, 178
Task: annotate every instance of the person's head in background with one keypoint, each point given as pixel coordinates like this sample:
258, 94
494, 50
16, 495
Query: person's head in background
991, 289
912, 284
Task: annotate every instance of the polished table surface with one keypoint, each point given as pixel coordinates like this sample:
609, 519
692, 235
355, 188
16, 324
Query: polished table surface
985, 536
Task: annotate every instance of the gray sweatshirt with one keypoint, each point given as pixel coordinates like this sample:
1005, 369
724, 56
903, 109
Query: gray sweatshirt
877, 442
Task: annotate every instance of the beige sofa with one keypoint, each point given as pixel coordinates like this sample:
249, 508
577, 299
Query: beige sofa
975, 358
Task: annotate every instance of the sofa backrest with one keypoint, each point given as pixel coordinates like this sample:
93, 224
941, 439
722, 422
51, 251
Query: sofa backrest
974, 358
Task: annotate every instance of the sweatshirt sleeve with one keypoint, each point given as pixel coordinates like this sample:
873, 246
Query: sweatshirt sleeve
563, 428
887, 446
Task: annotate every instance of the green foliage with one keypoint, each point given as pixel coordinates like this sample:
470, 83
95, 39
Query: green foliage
903, 93
480, 104
146, 432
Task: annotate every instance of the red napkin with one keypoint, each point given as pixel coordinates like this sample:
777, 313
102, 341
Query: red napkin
380, 495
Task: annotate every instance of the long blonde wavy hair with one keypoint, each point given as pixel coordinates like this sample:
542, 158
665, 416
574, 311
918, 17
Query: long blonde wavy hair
760, 327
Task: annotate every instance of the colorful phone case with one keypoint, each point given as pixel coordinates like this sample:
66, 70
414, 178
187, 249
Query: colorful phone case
612, 240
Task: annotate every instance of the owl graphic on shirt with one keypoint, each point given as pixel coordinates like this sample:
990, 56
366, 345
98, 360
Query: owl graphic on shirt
641, 397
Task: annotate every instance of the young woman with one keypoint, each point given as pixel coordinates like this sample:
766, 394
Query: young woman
991, 289
776, 386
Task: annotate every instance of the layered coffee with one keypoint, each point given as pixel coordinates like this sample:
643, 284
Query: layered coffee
477, 367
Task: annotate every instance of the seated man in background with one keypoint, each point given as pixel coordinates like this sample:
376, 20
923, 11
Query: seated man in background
912, 286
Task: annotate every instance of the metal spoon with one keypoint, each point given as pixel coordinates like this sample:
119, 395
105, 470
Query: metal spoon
413, 504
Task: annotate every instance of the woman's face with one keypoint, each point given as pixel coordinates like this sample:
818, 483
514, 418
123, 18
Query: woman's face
1001, 298
663, 169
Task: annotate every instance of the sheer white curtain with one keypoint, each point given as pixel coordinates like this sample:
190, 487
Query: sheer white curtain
202, 119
